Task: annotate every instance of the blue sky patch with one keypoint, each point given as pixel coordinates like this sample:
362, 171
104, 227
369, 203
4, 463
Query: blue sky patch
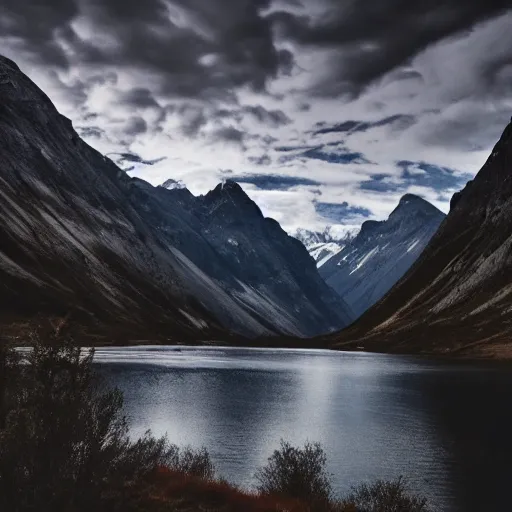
338, 213
274, 182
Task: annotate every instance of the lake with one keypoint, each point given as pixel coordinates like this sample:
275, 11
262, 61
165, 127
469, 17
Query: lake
446, 426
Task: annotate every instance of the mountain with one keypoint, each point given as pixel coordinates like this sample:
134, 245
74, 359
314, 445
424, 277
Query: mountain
130, 261
367, 267
457, 298
225, 235
171, 184
323, 245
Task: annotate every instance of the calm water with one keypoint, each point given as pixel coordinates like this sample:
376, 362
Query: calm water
446, 426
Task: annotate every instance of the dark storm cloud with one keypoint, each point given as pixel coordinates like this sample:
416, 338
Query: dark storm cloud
199, 48
344, 157
377, 36
260, 160
132, 158
398, 121
195, 47
419, 174
274, 181
268, 139
90, 131
272, 118
339, 212
139, 98
473, 129
180, 75
135, 126
35, 24
229, 134
286, 149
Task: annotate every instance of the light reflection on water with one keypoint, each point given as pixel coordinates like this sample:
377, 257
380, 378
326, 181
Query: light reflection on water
377, 416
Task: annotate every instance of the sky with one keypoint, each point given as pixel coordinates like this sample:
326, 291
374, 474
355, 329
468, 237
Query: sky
325, 111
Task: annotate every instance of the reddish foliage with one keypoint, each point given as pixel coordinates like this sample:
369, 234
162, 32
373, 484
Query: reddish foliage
188, 493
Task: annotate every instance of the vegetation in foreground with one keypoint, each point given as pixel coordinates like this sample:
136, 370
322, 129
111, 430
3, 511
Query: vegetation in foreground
64, 447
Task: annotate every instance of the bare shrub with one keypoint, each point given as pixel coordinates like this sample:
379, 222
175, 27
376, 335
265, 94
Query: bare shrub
192, 462
64, 444
384, 497
297, 473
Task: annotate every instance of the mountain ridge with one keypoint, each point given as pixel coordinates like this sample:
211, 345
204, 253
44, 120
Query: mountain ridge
367, 267
128, 259
456, 298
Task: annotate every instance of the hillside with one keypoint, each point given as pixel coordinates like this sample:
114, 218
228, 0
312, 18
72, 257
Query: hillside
364, 270
457, 298
129, 261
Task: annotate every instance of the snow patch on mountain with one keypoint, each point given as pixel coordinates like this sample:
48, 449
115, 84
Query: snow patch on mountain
171, 184
322, 253
323, 245
368, 266
364, 259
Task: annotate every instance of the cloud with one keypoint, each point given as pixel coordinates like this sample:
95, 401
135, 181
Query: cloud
193, 118
399, 120
369, 42
417, 174
229, 134
340, 213
124, 159
90, 132
260, 160
310, 102
139, 97
135, 126
274, 182
189, 49
274, 118
340, 156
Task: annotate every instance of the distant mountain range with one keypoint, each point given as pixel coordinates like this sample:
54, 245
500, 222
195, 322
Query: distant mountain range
362, 265
127, 260
323, 245
365, 269
457, 297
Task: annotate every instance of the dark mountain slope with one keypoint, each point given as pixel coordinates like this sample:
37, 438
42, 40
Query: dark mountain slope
78, 236
366, 268
267, 272
457, 298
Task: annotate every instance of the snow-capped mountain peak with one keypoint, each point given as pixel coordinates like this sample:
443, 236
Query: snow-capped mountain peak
367, 267
323, 245
171, 184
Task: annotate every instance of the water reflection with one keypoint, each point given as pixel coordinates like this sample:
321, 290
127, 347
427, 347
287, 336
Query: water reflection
445, 426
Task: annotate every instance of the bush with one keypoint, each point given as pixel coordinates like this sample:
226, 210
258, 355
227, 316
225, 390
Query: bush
384, 497
191, 462
64, 447
297, 473
64, 442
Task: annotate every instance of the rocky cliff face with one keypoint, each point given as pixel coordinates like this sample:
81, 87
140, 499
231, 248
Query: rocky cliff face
267, 272
78, 236
457, 298
365, 269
